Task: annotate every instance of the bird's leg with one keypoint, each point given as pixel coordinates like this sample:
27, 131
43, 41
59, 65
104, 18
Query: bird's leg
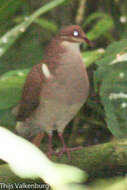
65, 148
37, 139
50, 149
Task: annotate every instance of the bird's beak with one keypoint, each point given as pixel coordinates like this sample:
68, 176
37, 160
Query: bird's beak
88, 41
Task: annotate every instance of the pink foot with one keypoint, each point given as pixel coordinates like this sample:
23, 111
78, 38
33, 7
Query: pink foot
37, 139
65, 148
68, 151
50, 149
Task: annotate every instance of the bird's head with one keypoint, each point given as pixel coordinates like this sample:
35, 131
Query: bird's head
75, 34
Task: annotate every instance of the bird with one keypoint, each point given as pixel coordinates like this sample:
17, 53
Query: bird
55, 89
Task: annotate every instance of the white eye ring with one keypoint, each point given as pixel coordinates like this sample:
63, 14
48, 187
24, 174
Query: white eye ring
75, 33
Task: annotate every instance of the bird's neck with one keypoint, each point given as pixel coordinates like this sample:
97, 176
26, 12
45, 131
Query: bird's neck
71, 46
53, 51
57, 48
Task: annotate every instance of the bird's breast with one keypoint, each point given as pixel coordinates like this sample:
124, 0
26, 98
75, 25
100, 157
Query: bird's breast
70, 83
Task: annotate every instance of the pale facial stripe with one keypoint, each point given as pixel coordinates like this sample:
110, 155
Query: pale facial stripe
46, 71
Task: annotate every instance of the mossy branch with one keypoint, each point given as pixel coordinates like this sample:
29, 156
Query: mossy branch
99, 160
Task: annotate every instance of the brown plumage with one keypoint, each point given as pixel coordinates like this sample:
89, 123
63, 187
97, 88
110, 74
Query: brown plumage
30, 101
56, 89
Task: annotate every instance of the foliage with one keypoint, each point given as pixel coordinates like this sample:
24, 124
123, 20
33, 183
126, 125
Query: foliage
9, 38
35, 164
111, 82
104, 24
11, 84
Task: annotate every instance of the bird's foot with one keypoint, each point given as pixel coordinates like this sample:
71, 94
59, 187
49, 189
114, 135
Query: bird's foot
37, 139
50, 153
76, 148
67, 150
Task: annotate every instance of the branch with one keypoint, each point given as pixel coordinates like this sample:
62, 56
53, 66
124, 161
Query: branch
100, 159
80, 12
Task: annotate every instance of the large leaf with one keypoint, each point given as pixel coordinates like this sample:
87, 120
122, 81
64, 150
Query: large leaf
111, 81
11, 85
27, 161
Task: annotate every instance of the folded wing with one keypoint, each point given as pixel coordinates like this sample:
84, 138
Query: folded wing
31, 93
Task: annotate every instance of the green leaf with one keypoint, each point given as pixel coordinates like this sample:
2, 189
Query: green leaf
94, 16
8, 8
49, 25
90, 57
110, 79
7, 119
9, 38
100, 28
28, 53
11, 84
115, 183
7, 176
112, 54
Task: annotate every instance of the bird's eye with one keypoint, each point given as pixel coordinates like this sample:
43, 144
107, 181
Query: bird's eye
75, 33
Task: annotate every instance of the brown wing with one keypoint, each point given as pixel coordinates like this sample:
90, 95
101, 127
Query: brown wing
31, 93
